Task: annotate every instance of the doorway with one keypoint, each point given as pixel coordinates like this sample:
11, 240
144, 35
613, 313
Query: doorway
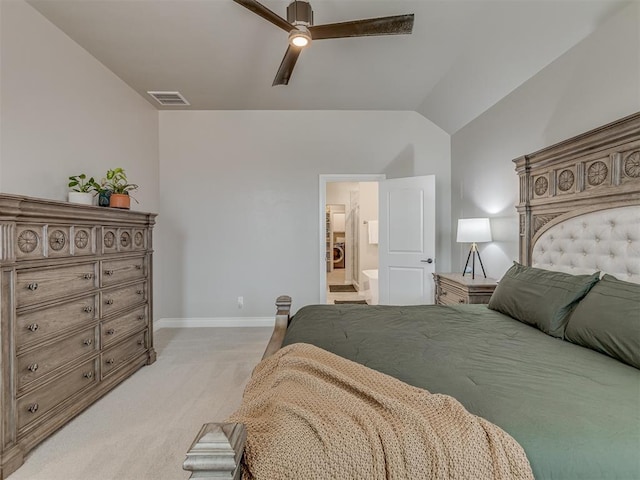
406, 249
347, 204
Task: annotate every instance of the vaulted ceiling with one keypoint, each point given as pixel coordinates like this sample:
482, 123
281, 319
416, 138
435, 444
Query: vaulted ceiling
462, 57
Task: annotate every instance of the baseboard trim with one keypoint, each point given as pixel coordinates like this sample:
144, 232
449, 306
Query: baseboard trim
214, 322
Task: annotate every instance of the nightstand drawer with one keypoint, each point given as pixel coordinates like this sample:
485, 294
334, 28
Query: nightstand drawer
451, 297
457, 289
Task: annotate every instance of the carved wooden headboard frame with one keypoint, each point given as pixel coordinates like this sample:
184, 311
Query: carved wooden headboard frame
596, 170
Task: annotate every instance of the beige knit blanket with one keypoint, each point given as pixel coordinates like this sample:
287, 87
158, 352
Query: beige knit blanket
311, 414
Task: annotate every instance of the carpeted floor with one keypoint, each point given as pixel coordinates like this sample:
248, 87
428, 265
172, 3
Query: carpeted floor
143, 428
342, 288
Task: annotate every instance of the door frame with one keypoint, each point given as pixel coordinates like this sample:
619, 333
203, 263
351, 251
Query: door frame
323, 180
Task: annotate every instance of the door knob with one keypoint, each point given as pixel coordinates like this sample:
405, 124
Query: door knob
428, 260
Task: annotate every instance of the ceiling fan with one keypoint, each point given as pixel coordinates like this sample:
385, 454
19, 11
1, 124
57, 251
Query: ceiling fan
299, 25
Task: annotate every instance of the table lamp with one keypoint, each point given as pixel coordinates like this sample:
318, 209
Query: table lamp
473, 231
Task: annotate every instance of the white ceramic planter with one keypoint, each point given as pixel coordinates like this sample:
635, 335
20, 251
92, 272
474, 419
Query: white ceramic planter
81, 197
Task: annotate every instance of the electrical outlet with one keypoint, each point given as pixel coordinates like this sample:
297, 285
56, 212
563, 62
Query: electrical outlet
240, 302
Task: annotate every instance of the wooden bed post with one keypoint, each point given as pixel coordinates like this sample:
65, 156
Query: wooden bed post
283, 302
217, 451
218, 448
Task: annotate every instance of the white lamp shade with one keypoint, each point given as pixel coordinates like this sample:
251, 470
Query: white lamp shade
474, 230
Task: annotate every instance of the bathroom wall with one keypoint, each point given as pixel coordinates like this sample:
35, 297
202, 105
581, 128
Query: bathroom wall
368, 211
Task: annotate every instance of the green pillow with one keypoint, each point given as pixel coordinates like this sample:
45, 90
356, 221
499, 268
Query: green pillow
608, 320
541, 298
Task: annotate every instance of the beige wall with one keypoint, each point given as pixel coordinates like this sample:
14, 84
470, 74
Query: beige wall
596, 82
240, 199
64, 113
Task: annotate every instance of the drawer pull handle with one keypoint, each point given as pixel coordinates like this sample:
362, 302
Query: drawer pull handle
108, 272
140, 317
33, 327
88, 341
140, 342
111, 361
461, 300
32, 286
443, 293
138, 267
33, 367
88, 276
88, 375
33, 408
88, 309
111, 331
139, 291
109, 302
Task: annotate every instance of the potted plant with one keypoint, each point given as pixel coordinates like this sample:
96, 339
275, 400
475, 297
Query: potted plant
104, 194
116, 181
81, 189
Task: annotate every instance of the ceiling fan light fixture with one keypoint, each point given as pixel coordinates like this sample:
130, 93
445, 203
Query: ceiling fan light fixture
300, 37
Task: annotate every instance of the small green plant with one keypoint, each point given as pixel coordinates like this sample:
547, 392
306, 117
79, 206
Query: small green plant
116, 181
79, 183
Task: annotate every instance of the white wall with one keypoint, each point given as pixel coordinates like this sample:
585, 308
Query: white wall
64, 113
368, 211
240, 199
594, 83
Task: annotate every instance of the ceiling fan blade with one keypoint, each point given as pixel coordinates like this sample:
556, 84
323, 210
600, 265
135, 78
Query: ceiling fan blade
286, 67
396, 25
265, 13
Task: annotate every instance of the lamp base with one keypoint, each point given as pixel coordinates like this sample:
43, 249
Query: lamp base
473, 251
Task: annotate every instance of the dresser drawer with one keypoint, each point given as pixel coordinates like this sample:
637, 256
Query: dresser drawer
121, 353
117, 328
38, 325
38, 285
36, 363
41, 401
122, 298
118, 271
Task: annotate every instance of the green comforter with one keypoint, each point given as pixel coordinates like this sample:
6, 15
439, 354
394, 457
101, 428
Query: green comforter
575, 412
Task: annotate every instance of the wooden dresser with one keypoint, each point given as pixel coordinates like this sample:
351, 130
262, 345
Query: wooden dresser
76, 312
455, 289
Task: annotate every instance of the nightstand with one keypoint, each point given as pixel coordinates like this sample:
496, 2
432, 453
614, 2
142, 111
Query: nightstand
455, 289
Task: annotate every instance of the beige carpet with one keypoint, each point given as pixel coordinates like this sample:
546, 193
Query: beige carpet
143, 428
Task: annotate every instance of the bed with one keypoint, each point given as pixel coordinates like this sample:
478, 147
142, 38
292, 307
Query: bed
549, 373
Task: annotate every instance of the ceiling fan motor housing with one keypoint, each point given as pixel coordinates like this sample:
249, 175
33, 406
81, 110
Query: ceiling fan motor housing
300, 13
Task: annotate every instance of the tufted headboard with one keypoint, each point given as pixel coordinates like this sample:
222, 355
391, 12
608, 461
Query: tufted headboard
579, 203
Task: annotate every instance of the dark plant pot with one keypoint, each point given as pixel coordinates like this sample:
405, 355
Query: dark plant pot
120, 200
103, 198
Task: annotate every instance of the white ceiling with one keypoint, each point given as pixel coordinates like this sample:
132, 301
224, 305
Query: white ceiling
462, 57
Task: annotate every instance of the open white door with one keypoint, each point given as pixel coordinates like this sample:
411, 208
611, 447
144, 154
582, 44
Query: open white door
407, 240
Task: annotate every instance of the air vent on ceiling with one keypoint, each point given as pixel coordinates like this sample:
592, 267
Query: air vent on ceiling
169, 98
